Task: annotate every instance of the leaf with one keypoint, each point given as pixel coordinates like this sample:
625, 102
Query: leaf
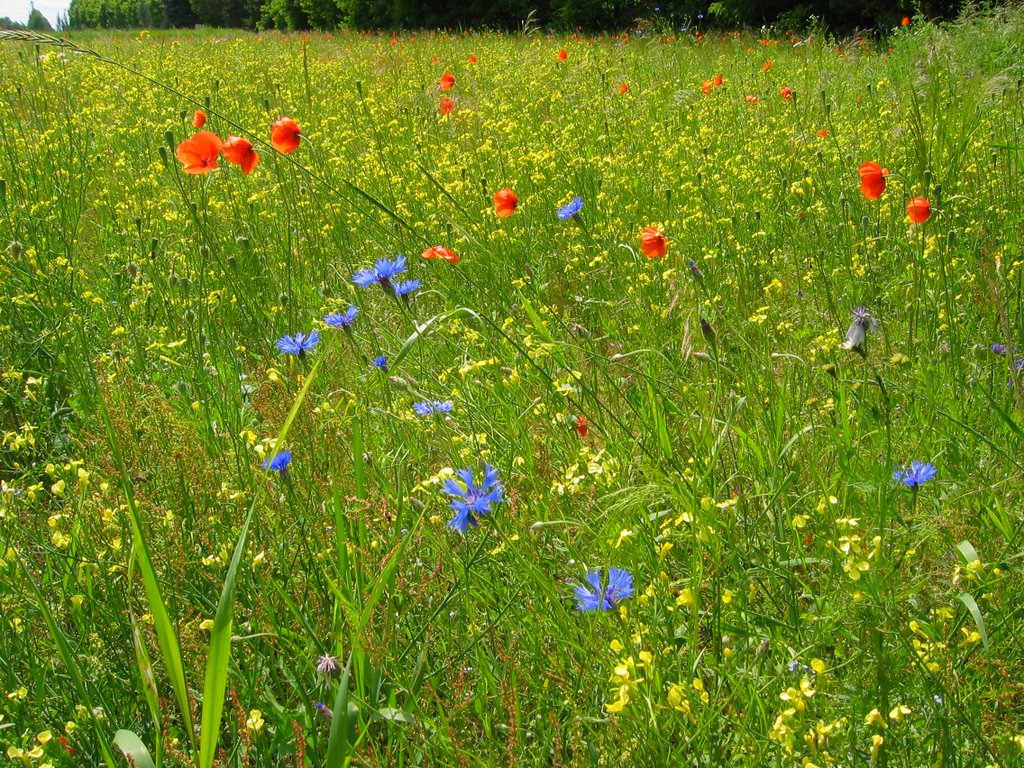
133, 749
975, 612
966, 549
396, 715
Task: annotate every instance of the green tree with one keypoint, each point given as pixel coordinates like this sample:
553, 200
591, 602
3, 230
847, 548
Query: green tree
38, 22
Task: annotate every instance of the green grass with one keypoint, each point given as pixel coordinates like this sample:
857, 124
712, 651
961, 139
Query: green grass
165, 596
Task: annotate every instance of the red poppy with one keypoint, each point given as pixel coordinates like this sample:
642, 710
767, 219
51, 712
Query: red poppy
198, 119
768, 64
706, 87
240, 152
872, 180
751, 99
905, 22
440, 252
199, 153
562, 55
718, 81
786, 92
447, 106
505, 202
653, 243
624, 88
823, 132
582, 426
284, 135
447, 81
472, 59
919, 210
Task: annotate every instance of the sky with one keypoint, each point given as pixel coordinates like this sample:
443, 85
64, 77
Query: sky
18, 10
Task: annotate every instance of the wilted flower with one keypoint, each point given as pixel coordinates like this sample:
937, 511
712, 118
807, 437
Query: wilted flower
862, 323
328, 665
918, 474
595, 596
471, 501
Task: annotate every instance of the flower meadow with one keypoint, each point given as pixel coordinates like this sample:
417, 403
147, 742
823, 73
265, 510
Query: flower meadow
485, 400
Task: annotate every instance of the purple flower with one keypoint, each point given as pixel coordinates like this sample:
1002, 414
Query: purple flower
471, 501
342, 320
406, 287
571, 210
299, 344
380, 273
918, 474
595, 596
279, 462
998, 349
427, 407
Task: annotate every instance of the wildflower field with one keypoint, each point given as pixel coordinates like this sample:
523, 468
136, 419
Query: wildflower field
485, 400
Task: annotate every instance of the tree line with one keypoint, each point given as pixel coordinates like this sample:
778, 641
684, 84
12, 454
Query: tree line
663, 15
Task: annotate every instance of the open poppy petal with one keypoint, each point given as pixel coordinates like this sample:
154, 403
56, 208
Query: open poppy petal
284, 135
240, 152
199, 152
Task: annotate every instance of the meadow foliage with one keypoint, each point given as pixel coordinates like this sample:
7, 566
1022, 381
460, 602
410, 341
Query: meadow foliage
476, 399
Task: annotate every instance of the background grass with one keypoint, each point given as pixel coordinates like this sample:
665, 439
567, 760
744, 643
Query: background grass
794, 604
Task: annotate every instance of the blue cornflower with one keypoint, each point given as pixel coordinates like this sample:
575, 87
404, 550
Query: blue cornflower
342, 319
299, 344
471, 501
592, 596
279, 462
998, 349
570, 210
426, 407
406, 287
918, 474
380, 362
380, 273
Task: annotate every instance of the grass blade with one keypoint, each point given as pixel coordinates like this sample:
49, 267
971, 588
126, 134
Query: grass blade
219, 655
